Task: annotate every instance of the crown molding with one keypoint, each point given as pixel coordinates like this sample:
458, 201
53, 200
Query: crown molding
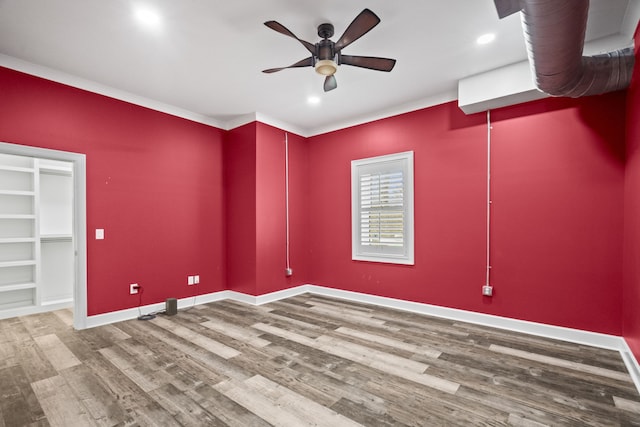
233, 122
91, 86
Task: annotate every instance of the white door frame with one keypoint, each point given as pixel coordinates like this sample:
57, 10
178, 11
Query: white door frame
79, 219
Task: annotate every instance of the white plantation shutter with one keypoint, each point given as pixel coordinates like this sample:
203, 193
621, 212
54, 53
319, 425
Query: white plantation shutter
382, 208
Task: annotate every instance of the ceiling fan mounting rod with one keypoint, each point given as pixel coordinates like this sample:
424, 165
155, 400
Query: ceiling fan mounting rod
325, 31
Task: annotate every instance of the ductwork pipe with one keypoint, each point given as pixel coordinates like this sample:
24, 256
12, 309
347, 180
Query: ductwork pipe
554, 33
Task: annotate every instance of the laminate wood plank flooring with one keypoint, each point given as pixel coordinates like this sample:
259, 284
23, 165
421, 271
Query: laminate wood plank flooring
303, 361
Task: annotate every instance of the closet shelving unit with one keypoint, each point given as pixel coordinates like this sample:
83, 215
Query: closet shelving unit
36, 245
19, 244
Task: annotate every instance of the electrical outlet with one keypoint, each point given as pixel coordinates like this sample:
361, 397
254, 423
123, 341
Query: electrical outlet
487, 290
190, 280
133, 288
288, 271
196, 279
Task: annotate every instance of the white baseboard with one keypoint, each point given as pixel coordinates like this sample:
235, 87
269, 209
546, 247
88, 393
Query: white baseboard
133, 313
286, 293
632, 364
594, 339
35, 309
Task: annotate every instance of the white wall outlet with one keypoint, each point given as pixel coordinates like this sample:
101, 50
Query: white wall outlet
133, 288
487, 290
99, 233
288, 271
190, 280
196, 279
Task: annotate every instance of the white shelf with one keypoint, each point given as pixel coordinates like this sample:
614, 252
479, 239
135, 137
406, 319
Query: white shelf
15, 216
55, 237
19, 222
36, 245
17, 193
17, 263
17, 287
18, 240
56, 170
16, 169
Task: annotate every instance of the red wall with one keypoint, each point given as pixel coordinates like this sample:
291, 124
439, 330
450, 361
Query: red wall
557, 183
271, 210
256, 210
450, 219
179, 198
631, 290
557, 180
154, 183
240, 205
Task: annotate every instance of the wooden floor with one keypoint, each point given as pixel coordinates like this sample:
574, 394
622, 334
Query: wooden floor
307, 360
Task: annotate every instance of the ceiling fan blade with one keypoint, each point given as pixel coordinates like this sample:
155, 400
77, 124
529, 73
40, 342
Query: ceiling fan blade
307, 62
370, 62
330, 83
360, 26
276, 26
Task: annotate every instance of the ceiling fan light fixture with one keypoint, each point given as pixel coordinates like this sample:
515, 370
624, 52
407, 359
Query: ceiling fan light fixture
326, 67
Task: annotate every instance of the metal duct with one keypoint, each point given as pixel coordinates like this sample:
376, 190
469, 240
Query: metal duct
554, 32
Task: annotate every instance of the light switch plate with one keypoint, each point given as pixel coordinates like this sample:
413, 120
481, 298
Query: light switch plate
99, 233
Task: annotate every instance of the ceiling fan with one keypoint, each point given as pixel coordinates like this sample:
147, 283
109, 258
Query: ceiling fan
326, 55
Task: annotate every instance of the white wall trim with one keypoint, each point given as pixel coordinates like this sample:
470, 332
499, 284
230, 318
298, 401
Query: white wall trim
594, 339
286, 293
91, 86
632, 364
263, 118
396, 110
241, 120
133, 313
35, 309
58, 76
577, 336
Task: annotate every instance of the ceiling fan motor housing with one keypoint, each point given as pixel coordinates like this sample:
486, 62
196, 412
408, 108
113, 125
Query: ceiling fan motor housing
325, 30
325, 49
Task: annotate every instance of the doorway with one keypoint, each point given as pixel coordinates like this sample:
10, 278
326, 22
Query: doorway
25, 245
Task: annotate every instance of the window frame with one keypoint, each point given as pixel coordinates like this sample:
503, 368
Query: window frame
383, 164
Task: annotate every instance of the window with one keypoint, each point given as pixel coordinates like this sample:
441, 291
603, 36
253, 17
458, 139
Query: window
382, 208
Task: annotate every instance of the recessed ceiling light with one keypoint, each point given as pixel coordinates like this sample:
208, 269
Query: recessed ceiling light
313, 100
147, 16
486, 38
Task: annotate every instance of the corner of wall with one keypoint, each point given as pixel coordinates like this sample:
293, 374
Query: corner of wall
631, 279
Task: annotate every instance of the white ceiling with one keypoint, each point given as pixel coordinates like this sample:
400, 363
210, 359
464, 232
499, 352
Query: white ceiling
206, 57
